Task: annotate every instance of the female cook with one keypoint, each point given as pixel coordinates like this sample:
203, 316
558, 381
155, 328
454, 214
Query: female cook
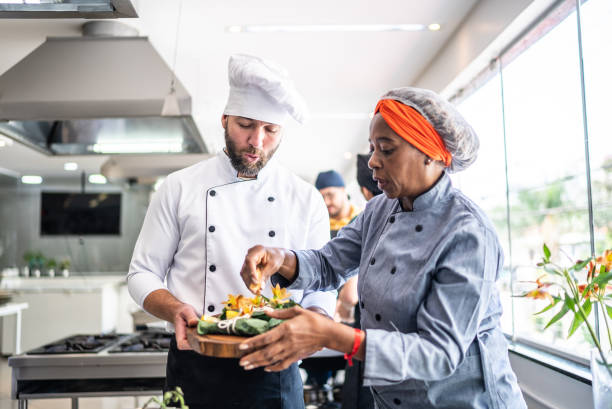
428, 260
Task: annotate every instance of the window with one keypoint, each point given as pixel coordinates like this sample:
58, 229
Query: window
596, 16
542, 156
484, 181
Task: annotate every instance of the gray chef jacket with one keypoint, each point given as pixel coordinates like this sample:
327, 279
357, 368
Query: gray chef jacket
428, 300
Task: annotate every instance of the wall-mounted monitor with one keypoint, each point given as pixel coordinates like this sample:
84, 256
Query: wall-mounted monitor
80, 213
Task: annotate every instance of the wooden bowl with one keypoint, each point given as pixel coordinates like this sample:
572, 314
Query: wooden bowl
218, 346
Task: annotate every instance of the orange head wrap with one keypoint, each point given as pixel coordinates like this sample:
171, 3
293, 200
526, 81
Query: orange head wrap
414, 128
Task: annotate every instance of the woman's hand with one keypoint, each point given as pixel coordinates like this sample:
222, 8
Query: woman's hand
304, 333
262, 262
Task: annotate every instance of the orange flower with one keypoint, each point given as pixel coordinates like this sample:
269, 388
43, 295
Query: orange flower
258, 301
589, 293
232, 301
280, 295
538, 294
591, 271
605, 259
244, 303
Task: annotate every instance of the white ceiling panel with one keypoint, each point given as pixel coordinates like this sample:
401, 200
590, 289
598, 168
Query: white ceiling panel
341, 75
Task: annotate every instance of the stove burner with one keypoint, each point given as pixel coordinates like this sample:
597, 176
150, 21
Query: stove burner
78, 344
154, 341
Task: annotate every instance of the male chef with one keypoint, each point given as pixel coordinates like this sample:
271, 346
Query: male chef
202, 221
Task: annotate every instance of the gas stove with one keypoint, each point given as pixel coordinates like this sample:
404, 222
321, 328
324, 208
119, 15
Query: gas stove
78, 344
144, 342
92, 365
148, 341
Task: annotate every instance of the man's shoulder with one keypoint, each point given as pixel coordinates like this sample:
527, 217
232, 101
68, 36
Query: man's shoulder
194, 172
293, 184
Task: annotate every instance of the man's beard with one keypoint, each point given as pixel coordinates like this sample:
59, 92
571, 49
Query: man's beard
243, 167
336, 214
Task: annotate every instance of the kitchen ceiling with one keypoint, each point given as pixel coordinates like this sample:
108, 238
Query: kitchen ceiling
341, 74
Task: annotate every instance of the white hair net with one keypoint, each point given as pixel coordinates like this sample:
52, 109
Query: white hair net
458, 136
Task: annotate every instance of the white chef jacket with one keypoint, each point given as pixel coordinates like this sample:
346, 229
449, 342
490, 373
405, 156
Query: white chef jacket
202, 221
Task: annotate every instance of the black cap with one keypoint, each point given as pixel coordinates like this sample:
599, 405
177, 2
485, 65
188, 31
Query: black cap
364, 175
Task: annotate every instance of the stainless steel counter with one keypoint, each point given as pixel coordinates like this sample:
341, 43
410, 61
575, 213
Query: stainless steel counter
87, 374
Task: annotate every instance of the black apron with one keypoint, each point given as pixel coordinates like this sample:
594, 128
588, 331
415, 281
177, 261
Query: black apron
210, 383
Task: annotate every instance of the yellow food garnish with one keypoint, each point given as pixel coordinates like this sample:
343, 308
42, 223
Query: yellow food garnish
239, 305
258, 301
229, 314
232, 301
280, 295
208, 318
244, 303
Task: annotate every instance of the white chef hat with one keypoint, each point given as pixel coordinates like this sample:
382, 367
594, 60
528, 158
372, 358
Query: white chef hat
262, 90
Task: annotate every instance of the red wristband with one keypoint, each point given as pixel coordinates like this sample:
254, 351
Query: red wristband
356, 344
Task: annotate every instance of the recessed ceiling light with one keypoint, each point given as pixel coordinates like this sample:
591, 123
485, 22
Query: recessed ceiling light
71, 166
299, 28
31, 179
97, 179
434, 27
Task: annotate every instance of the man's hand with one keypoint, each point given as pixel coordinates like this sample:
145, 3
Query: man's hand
259, 264
184, 317
164, 305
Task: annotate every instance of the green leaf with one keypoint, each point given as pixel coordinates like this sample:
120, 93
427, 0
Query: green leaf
569, 301
586, 307
578, 319
552, 270
579, 266
602, 279
555, 301
609, 310
559, 315
546, 251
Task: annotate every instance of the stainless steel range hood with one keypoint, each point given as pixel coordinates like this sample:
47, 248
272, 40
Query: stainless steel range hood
96, 95
68, 9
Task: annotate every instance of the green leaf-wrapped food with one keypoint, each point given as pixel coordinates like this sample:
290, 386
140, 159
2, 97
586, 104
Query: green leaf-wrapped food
244, 327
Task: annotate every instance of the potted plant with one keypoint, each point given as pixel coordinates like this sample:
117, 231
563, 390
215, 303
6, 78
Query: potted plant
562, 287
64, 266
28, 257
35, 262
51, 265
175, 396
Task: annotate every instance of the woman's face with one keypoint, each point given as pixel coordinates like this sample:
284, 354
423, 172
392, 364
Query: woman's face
400, 170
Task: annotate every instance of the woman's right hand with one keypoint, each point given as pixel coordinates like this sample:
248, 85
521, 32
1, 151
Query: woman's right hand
259, 264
